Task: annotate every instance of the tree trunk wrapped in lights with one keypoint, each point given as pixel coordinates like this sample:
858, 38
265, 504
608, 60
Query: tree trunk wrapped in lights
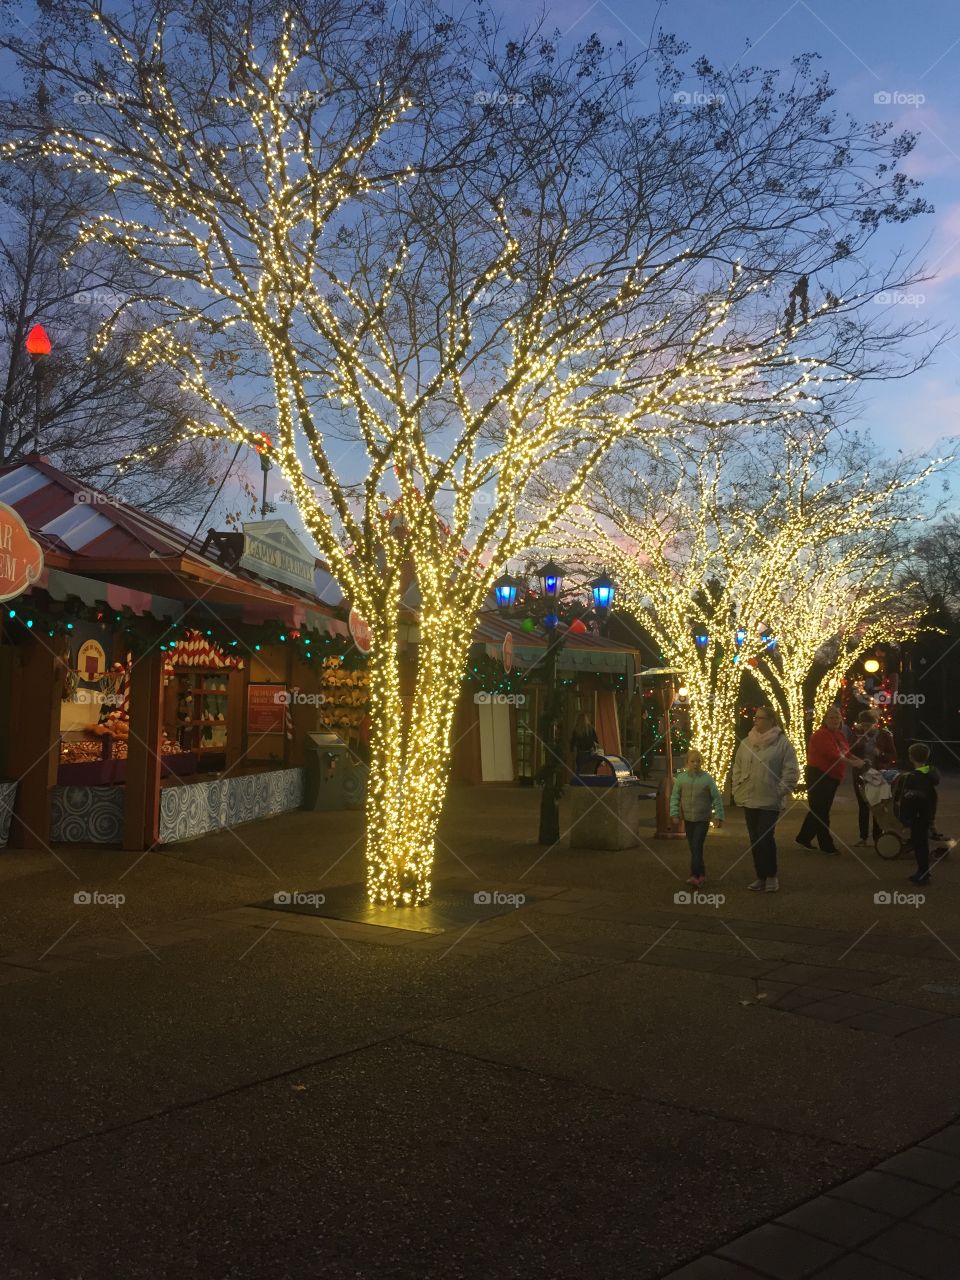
435, 261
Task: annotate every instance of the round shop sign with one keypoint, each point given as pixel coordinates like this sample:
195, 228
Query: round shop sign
507, 652
360, 632
91, 660
21, 556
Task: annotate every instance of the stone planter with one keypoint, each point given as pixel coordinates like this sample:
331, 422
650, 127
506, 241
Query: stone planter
609, 817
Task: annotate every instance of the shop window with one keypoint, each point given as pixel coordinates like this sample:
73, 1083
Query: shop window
201, 709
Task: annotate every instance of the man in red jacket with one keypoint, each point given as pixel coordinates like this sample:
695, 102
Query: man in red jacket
827, 754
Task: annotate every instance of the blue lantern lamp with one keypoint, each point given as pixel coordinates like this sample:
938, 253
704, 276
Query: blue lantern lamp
701, 639
602, 589
550, 576
505, 590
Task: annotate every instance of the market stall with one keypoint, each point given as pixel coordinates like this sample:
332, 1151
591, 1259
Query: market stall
150, 690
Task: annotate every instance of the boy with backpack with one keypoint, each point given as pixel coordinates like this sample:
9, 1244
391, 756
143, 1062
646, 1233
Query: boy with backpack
918, 801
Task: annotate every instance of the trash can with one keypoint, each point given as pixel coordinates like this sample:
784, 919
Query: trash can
609, 805
332, 778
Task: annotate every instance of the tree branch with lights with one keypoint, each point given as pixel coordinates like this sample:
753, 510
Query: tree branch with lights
448, 261
753, 553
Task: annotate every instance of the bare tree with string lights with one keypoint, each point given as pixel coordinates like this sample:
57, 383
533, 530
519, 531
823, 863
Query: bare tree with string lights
775, 555
446, 257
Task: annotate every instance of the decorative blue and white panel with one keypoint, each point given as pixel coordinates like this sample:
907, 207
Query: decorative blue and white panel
87, 815
8, 794
193, 808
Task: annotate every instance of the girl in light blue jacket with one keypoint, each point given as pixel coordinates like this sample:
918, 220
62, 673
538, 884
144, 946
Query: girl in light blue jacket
695, 797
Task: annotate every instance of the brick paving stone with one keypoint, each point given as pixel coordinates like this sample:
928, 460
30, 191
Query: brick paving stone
857, 1266
934, 1168
555, 907
706, 961
909, 948
944, 1034
941, 1215
9, 973
44, 964
712, 1268
601, 948
822, 976
836, 1009
918, 1250
839, 1221
797, 997
885, 1193
946, 1140
895, 1020
780, 1252
700, 924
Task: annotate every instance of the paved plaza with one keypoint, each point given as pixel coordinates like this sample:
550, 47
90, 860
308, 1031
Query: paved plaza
603, 1081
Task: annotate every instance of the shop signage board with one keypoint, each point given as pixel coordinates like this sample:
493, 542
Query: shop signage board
21, 556
272, 550
91, 660
360, 632
266, 704
507, 653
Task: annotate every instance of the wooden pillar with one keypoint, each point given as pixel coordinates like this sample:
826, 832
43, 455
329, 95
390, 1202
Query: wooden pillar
141, 809
34, 751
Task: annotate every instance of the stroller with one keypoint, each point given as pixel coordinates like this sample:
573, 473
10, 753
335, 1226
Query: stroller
881, 790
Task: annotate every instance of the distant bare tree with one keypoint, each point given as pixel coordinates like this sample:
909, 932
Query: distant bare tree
90, 409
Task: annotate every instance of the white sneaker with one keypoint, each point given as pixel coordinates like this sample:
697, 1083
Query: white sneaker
758, 886
772, 885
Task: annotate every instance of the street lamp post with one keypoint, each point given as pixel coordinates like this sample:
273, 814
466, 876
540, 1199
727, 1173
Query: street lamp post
38, 347
265, 465
546, 608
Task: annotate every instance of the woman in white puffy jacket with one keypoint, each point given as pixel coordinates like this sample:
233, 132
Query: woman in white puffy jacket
765, 771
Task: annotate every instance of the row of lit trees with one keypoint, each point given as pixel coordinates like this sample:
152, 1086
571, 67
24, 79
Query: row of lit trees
779, 556
447, 258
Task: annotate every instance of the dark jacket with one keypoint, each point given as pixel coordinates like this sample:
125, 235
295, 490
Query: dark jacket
918, 795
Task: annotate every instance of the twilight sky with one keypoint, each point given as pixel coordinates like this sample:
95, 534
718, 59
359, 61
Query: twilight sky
910, 52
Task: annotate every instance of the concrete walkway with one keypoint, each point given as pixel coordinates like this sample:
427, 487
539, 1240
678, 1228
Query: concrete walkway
609, 1081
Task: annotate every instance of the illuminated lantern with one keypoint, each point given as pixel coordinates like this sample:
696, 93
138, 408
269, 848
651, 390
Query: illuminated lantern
551, 577
577, 627
505, 589
528, 625
602, 589
871, 666
38, 344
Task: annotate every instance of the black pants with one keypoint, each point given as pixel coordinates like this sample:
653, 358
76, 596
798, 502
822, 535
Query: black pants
863, 809
821, 789
761, 825
920, 839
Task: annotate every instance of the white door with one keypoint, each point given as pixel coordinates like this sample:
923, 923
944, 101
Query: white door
496, 753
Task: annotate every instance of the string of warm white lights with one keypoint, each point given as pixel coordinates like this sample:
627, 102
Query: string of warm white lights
726, 581
235, 217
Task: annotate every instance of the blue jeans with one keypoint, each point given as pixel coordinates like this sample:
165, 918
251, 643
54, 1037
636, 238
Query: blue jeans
696, 835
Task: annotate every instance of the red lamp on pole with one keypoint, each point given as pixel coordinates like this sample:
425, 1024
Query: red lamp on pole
38, 346
38, 343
